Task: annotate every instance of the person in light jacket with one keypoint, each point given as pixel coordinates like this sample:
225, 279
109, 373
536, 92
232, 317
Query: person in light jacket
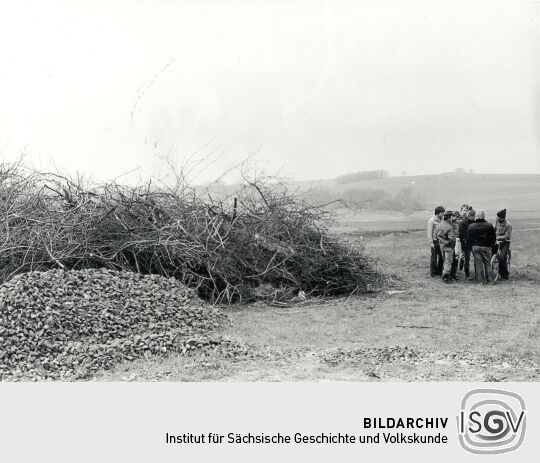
436, 261
447, 240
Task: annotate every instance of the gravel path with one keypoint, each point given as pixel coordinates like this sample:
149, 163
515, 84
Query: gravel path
225, 360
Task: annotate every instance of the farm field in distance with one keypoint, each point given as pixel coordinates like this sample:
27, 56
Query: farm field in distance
417, 329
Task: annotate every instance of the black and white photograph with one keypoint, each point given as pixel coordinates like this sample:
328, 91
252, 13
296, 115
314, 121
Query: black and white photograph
269, 191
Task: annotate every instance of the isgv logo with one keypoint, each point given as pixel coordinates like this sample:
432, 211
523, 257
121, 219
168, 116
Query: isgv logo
491, 421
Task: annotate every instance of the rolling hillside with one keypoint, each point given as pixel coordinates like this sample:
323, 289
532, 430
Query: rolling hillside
491, 192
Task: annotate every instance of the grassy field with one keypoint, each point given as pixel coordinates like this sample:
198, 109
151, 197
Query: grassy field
416, 329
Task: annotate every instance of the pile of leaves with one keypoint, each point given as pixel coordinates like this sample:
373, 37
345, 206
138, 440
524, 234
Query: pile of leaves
70, 324
229, 247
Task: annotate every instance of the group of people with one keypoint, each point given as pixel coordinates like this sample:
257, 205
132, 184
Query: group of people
453, 236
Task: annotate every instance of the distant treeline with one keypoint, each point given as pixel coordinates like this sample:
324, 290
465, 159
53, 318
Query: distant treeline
366, 198
361, 176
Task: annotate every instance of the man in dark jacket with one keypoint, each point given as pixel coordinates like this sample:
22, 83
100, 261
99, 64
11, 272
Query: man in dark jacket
468, 219
503, 233
481, 239
447, 241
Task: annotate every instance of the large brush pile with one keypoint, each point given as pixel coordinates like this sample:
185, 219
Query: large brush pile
71, 324
226, 248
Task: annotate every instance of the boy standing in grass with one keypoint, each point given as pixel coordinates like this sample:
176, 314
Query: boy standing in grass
447, 241
468, 219
503, 232
436, 262
456, 222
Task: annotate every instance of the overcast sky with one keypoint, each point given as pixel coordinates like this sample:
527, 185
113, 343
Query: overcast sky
315, 89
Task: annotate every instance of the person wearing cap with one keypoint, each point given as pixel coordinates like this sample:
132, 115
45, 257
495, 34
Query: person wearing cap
481, 239
468, 219
503, 234
436, 262
447, 241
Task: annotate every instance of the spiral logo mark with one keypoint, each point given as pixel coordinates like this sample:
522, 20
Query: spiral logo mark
501, 428
491, 421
